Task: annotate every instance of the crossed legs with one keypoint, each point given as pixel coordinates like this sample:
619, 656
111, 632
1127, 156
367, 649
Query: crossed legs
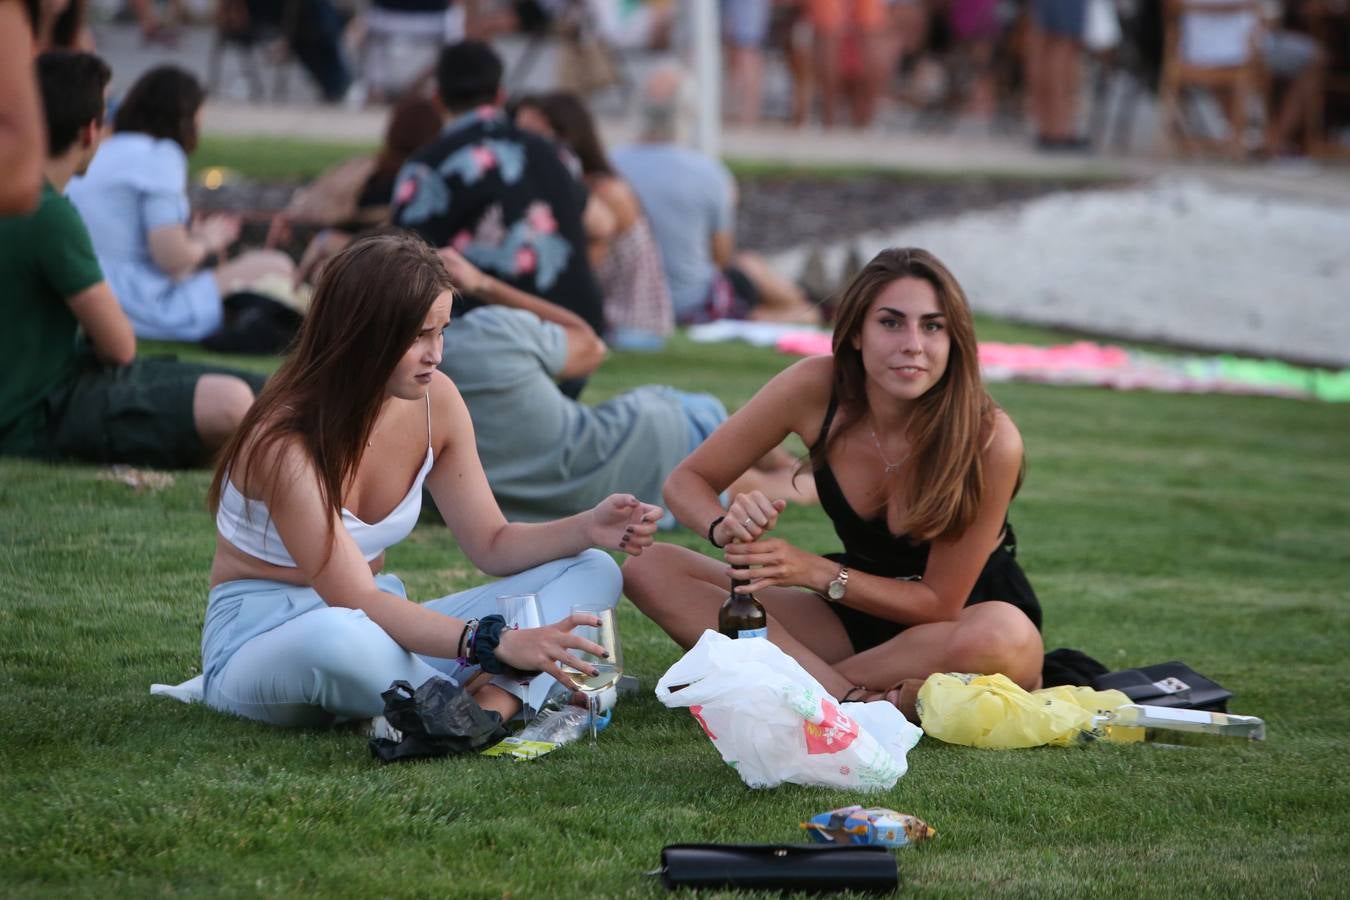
681, 591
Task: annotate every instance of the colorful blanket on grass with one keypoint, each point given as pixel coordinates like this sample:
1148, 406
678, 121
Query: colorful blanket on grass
1096, 365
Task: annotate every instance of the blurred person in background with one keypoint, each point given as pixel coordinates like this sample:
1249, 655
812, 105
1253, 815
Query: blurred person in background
311, 28
548, 456
1294, 60
851, 56
745, 25
355, 195
1054, 72
70, 383
165, 267
638, 308
690, 200
498, 194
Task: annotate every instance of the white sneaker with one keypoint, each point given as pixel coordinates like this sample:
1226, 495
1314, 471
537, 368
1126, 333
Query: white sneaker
379, 727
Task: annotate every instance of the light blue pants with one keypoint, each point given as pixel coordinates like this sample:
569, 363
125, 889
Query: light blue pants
320, 664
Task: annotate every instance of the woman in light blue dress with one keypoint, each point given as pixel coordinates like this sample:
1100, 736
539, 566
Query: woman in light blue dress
163, 266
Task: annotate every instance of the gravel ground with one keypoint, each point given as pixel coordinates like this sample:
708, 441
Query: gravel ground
775, 212
780, 211
1178, 262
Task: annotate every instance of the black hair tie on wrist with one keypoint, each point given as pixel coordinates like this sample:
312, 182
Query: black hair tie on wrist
485, 642
713, 527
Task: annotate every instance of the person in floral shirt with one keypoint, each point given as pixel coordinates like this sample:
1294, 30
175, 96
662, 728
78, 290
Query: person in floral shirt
501, 196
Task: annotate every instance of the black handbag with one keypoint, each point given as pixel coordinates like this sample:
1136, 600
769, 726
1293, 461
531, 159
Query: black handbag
784, 867
1173, 684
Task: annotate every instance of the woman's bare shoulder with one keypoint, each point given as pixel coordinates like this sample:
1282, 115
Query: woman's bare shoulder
265, 467
449, 414
802, 392
811, 377
618, 196
1004, 447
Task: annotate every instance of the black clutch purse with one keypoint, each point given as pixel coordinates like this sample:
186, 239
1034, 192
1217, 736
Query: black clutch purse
783, 867
1172, 684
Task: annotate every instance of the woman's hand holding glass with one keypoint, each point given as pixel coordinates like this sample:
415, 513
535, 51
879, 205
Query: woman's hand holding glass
550, 647
623, 522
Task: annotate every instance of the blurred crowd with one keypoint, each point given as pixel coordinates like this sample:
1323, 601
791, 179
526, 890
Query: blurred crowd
557, 249
837, 62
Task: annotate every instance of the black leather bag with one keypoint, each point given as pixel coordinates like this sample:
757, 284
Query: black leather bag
1173, 684
783, 867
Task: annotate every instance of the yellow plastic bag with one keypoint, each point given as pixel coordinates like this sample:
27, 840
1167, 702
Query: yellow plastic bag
992, 712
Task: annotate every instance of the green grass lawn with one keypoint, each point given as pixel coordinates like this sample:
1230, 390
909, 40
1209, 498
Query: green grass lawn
1210, 529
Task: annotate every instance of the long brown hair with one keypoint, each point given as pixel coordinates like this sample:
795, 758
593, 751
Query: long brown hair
572, 122
163, 103
951, 422
369, 305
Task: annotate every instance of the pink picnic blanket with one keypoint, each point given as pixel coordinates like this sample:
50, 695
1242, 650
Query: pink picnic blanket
1104, 365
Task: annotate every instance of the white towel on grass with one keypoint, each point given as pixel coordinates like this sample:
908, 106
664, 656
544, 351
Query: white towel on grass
189, 691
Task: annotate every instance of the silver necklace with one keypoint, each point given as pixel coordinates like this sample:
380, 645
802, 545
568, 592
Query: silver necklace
891, 467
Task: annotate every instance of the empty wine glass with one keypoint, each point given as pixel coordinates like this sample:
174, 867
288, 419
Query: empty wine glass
608, 668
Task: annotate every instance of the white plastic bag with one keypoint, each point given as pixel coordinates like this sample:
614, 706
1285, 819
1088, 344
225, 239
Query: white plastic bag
772, 722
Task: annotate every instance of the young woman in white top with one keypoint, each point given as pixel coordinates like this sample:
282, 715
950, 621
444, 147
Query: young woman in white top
302, 626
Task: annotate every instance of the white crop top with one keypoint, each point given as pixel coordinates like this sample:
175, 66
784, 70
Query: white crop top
247, 524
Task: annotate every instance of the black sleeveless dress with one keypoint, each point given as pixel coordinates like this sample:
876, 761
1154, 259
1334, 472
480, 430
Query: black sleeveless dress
870, 547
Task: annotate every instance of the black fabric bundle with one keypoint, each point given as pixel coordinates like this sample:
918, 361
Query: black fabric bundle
437, 719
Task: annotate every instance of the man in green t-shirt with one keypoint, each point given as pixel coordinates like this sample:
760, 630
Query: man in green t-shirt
70, 383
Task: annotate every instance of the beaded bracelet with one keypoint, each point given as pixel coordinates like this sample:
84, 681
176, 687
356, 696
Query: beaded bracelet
465, 647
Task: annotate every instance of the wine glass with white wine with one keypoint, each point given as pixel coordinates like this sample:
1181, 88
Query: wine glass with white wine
608, 668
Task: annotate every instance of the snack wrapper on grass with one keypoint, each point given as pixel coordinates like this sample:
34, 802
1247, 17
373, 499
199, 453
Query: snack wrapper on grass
856, 825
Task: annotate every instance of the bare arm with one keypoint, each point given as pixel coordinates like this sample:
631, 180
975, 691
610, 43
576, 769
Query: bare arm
22, 142
953, 565
460, 488
620, 199
585, 349
105, 324
178, 251
793, 402
342, 578
723, 248
598, 220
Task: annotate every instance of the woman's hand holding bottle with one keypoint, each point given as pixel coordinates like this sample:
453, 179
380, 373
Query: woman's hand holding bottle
747, 518
773, 562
